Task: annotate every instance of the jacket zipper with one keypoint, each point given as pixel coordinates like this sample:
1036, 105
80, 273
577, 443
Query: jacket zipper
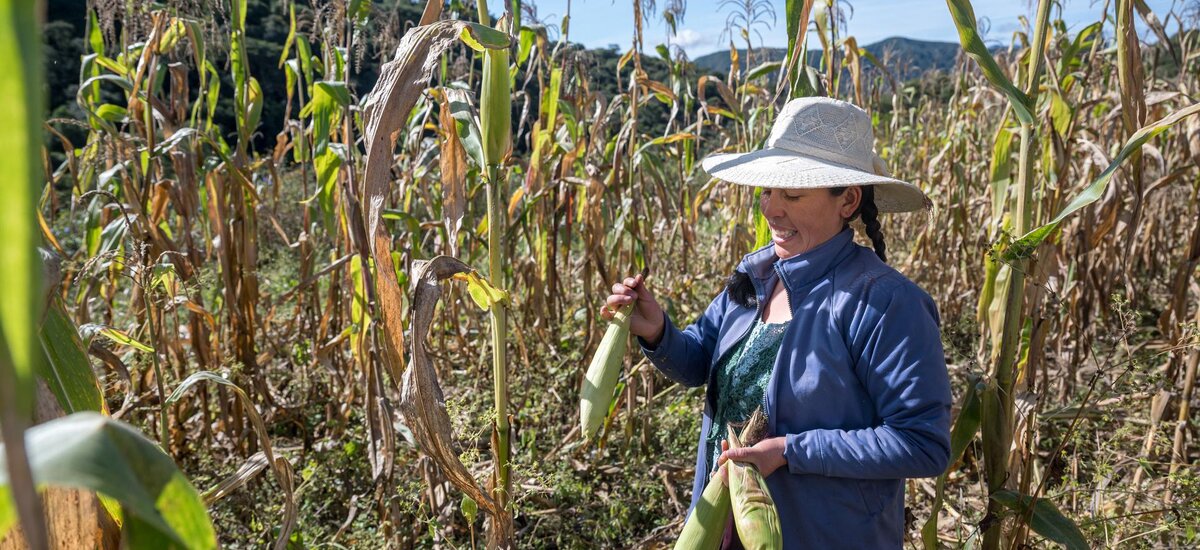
771, 379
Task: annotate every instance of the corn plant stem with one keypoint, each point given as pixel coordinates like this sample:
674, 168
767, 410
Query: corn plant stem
997, 429
163, 430
20, 478
499, 318
997, 432
13, 423
21, 83
484, 18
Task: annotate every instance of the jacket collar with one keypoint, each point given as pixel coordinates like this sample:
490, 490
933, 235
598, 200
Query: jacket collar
802, 269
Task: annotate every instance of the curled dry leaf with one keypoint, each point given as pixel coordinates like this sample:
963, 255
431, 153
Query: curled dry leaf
400, 84
421, 398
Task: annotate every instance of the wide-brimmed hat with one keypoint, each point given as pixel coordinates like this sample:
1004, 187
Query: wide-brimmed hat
819, 142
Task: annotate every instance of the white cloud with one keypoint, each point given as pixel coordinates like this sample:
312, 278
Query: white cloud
689, 39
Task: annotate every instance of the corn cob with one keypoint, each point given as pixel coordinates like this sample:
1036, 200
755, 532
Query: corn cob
754, 512
705, 527
602, 374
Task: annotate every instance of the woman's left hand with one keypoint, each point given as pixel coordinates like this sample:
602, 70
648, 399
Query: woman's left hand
766, 455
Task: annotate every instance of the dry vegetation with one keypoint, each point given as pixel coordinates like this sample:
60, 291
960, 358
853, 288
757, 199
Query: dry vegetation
224, 284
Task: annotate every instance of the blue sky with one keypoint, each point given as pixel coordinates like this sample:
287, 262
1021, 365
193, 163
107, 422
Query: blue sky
598, 23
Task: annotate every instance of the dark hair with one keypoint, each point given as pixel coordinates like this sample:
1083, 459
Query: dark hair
741, 289
870, 218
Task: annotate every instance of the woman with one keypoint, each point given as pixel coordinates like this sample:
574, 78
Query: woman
842, 352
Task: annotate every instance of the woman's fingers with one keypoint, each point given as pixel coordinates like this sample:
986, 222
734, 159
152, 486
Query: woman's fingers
766, 455
615, 301
723, 474
646, 318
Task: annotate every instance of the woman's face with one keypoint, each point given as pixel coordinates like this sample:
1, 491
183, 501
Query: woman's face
802, 219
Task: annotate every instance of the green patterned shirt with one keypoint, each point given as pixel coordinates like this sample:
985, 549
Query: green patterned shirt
742, 380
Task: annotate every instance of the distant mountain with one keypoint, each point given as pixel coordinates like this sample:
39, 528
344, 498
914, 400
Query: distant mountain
904, 57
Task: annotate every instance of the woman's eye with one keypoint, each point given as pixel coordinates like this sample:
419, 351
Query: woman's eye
792, 197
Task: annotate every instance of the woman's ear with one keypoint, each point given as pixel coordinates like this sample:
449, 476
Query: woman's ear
850, 201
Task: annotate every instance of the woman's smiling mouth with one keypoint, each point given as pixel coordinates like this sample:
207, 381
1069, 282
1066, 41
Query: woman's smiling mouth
781, 236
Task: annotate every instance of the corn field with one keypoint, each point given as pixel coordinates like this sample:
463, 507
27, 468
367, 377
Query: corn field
342, 290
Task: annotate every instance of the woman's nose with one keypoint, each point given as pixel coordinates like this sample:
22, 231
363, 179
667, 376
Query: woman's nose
770, 204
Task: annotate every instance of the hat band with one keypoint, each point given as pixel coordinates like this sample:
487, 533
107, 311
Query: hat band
816, 151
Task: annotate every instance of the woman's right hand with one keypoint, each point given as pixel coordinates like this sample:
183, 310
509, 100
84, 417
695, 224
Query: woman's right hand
647, 319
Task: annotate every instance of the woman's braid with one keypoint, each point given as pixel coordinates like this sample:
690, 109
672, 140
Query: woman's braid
870, 218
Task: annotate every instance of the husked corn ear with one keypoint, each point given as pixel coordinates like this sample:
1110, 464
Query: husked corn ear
602, 374
705, 527
754, 513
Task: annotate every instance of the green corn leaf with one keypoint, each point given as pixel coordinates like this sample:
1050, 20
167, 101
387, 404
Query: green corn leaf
1045, 518
88, 450
961, 435
964, 18
470, 508
525, 44
93, 229
116, 335
481, 38
254, 105
329, 97
1025, 245
466, 125
967, 423
1061, 112
328, 164
291, 36
304, 54
763, 70
481, 290
359, 316
95, 39
21, 143
1001, 169
67, 371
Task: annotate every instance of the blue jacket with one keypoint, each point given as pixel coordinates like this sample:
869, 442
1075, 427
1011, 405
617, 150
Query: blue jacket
859, 389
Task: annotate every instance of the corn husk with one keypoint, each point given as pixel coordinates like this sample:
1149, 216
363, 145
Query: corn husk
495, 110
754, 513
602, 374
705, 527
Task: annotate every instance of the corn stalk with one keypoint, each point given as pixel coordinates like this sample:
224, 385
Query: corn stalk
495, 112
20, 311
997, 400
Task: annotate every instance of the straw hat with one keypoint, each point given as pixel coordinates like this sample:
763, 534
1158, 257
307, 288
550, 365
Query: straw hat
819, 142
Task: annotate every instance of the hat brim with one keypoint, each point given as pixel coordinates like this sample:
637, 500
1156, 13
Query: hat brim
780, 168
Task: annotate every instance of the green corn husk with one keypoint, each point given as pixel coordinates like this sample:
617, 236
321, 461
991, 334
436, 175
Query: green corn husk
754, 513
705, 527
495, 114
602, 374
